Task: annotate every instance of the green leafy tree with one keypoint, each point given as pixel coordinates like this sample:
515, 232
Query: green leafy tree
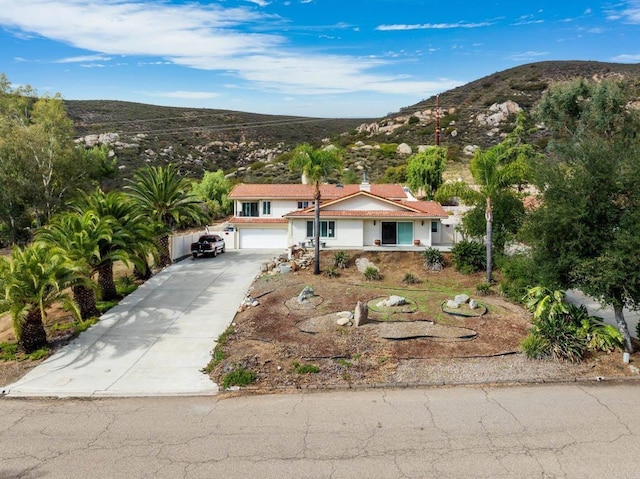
494, 171
586, 232
213, 190
425, 169
315, 165
35, 278
395, 174
165, 197
81, 237
349, 177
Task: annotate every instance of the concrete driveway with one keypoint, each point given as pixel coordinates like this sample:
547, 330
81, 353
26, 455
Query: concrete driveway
156, 341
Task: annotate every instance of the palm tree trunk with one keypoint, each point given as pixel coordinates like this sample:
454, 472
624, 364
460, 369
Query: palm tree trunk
142, 273
86, 299
32, 335
489, 218
316, 229
623, 328
106, 282
164, 255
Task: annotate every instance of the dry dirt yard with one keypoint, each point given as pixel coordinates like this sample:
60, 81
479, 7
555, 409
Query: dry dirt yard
279, 336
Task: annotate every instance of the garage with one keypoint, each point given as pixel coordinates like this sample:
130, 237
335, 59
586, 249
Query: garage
263, 238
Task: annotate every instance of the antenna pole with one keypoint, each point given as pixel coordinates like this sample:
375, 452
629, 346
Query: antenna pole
437, 120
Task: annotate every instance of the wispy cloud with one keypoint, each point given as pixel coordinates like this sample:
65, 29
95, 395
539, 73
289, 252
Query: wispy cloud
525, 56
431, 26
208, 37
627, 58
260, 3
628, 12
84, 58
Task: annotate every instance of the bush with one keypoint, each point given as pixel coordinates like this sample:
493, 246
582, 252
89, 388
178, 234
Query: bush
305, 368
534, 346
330, 272
8, 351
433, 259
483, 288
341, 259
469, 257
518, 276
125, 285
372, 274
239, 377
410, 278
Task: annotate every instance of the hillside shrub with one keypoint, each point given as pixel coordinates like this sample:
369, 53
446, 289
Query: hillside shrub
469, 257
341, 259
371, 273
239, 377
330, 272
433, 259
410, 278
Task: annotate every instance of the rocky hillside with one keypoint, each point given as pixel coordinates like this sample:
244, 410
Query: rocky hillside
251, 147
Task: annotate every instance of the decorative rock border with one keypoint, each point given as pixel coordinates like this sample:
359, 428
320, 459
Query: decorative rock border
478, 312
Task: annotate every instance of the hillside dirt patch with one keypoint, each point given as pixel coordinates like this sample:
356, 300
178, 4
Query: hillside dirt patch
276, 337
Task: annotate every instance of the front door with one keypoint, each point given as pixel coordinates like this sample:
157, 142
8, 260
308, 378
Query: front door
389, 233
405, 233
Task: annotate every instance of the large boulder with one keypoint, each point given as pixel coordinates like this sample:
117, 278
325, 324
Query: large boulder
305, 295
395, 301
363, 263
361, 314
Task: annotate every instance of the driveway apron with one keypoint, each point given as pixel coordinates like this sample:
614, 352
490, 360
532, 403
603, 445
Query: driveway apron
157, 340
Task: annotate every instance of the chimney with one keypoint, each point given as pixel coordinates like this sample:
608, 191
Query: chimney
365, 186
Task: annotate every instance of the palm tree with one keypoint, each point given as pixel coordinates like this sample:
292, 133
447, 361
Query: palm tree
35, 278
162, 195
493, 170
315, 165
80, 236
132, 232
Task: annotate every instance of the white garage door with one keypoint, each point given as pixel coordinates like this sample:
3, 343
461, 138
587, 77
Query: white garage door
263, 238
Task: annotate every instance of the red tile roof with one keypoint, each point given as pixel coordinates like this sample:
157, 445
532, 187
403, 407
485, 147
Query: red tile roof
305, 192
360, 214
244, 220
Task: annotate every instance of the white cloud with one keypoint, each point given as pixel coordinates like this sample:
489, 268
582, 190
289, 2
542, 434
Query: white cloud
84, 58
260, 3
208, 37
530, 55
627, 58
431, 26
629, 13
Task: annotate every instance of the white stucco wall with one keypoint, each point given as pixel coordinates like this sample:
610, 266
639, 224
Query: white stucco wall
363, 203
279, 208
348, 233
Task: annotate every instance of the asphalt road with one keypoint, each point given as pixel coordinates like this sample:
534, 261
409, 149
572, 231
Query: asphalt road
558, 431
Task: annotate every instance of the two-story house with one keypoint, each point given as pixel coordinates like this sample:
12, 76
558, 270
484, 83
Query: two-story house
351, 216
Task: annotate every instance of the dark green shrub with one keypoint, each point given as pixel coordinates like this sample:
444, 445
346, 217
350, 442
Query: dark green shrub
413, 119
341, 259
371, 273
518, 276
469, 257
433, 259
534, 346
239, 377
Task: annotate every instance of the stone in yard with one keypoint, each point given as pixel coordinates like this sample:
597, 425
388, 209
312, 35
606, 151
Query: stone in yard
345, 314
395, 301
461, 298
284, 268
363, 263
343, 321
264, 267
473, 304
306, 294
451, 304
255, 303
361, 314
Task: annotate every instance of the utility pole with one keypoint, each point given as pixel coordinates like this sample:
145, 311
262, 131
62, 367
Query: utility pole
437, 120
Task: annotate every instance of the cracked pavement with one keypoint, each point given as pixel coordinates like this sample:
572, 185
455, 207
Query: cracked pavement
554, 431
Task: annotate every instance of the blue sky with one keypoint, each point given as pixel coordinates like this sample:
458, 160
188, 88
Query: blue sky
326, 58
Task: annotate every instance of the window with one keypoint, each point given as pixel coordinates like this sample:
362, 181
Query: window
249, 209
266, 208
434, 226
303, 204
327, 229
